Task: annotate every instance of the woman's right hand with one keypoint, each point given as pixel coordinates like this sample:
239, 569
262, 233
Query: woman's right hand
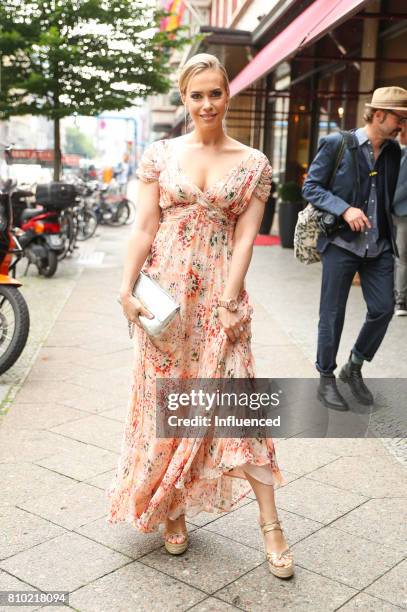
133, 308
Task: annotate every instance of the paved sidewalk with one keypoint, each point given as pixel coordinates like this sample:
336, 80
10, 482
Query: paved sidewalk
343, 506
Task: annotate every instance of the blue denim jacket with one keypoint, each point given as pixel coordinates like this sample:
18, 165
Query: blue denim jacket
342, 194
400, 197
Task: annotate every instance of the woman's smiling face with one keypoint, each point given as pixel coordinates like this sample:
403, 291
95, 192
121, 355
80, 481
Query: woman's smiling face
206, 98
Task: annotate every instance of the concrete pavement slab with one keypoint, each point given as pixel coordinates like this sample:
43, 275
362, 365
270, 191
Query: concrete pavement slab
391, 587
70, 507
136, 587
204, 518
377, 520
40, 416
281, 362
307, 591
121, 358
44, 311
11, 583
118, 413
75, 396
370, 476
64, 563
19, 445
23, 481
59, 355
82, 464
222, 561
57, 372
318, 502
354, 447
347, 558
20, 530
212, 604
101, 346
95, 429
115, 379
122, 537
102, 481
302, 455
367, 603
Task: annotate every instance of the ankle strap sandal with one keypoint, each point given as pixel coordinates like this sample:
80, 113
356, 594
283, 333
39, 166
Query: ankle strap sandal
281, 564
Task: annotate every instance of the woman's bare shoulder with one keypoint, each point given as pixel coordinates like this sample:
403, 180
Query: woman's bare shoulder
249, 150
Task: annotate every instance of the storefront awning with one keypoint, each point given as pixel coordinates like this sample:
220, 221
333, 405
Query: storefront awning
312, 24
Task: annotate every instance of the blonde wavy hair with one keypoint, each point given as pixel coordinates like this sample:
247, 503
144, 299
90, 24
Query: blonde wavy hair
196, 64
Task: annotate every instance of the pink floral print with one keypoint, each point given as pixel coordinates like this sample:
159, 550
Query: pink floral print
190, 258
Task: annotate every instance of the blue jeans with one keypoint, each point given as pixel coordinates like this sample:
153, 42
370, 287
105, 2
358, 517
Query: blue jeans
339, 266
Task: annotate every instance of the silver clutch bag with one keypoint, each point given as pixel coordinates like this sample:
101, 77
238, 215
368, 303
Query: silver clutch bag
157, 301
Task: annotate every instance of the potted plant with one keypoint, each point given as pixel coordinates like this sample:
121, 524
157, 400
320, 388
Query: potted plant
291, 203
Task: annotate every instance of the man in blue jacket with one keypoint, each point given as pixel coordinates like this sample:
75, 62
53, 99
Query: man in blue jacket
400, 221
361, 196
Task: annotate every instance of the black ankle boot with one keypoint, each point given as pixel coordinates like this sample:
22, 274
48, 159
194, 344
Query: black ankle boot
351, 373
329, 395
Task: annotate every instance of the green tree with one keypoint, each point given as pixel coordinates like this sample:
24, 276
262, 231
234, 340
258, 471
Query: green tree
78, 143
81, 56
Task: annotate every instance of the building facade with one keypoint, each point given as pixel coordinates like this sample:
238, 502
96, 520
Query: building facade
299, 69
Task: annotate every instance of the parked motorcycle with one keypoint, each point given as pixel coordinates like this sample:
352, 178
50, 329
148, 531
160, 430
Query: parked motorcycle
14, 314
59, 200
39, 247
41, 230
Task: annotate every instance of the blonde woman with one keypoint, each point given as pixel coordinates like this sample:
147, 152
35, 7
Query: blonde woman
200, 203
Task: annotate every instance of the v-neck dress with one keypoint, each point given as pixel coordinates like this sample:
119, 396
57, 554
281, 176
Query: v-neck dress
190, 258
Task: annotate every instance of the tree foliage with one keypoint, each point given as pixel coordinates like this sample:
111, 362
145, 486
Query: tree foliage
78, 143
81, 56
65, 57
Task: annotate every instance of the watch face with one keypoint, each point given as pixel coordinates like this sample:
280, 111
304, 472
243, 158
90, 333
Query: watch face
232, 305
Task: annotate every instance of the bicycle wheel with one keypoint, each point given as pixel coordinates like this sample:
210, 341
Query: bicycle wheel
121, 214
14, 325
132, 216
66, 231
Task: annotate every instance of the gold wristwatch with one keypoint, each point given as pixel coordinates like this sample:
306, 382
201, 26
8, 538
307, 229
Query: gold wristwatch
229, 304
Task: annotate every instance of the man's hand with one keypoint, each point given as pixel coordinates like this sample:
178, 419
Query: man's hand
356, 218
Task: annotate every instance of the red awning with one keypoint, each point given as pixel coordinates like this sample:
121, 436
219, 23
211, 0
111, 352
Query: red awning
313, 23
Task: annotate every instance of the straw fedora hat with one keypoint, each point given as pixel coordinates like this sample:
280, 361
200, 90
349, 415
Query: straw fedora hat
389, 98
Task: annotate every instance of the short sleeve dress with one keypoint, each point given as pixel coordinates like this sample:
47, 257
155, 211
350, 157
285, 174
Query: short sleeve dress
190, 258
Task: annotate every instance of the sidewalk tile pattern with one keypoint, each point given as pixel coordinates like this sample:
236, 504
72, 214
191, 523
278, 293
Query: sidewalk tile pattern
341, 507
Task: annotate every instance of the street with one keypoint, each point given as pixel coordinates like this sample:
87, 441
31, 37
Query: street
341, 507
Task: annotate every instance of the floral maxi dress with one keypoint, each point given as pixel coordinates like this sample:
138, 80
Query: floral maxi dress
190, 258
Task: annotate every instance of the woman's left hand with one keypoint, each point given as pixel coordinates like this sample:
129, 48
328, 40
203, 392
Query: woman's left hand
232, 323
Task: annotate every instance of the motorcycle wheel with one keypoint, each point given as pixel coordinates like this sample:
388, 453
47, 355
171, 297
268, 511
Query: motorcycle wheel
87, 225
48, 266
121, 215
14, 325
132, 215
